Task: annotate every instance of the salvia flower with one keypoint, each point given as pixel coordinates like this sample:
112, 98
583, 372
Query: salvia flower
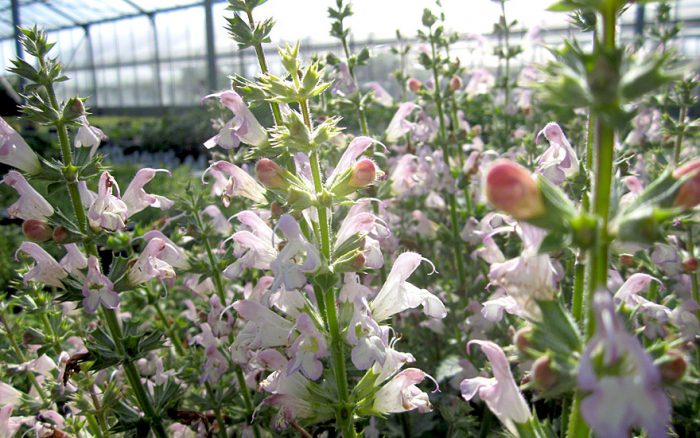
108, 211
401, 394
136, 198
559, 161
688, 195
512, 189
381, 96
30, 205
98, 289
253, 247
285, 268
88, 136
397, 294
263, 329
172, 254
239, 183
500, 392
74, 261
243, 127
149, 265
399, 125
623, 384
15, 152
46, 269
307, 349
270, 174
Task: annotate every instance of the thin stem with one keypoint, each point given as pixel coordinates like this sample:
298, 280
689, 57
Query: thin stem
109, 314
695, 286
18, 351
276, 113
100, 412
682, 114
217, 410
578, 295
49, 330
344, 413
170, 329
456, 239
132, 375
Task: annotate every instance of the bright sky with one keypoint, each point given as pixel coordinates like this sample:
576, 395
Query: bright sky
300, 19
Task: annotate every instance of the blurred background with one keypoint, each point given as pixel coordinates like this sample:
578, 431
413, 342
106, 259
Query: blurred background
151, 57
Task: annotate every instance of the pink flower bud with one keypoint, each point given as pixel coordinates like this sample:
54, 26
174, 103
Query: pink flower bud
543, 374
689, 194
414, 85
363, 173
36, 230
511, 188
455, 83
673, 369
270, 174
690, 265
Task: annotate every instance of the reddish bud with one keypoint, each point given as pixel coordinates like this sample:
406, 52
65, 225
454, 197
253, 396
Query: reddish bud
414, 85
688, 195
358, 262
270, 174
60, 234
627, 260
690, 265
522, 339
674, 368
543, 374
37, 230
276, 210
363, 174
455, 83
511, 189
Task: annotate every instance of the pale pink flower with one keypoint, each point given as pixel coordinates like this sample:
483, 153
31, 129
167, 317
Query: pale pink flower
108, 211
401, 394
381, 96
397, 294
253, 247
559, 161
399, 125
30, 205
263, 329
239, 183
172, 254
243, 127
15, 152
74, 261
354, 150
136, 198
500, 392
307, 349
215, 363
344, 84
88, 136
98, 288
623, 384
218, 220
149, 265
285, 268
480, 82
46, 269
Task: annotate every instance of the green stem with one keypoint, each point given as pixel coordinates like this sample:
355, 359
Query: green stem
247, 400
100, 412
90, 247
344, 413
21, 357
170, 329
578, 295
597, 259
217, 410
694, 275
132, 375
92, 424
276, 113
454, 225
49, 330
683, 113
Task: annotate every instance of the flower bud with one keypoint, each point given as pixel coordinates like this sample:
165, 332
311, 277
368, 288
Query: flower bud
543, 375
690, 265
522, 339
455, 83
36, 230
62, 235
414, 85
276, 210
511, 189
363, 173
673, 369
627, 260
270, 174
688, 195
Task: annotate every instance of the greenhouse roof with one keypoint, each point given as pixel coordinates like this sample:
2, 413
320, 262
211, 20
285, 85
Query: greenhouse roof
64, 14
